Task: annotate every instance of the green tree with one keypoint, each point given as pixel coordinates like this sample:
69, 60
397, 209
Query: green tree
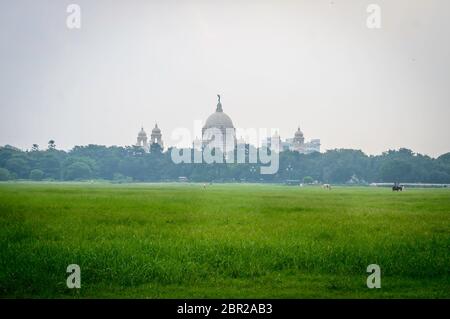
50, 164
155, 148
334, 166
77, 171
395, 171
36, 175
18, 165
4, 174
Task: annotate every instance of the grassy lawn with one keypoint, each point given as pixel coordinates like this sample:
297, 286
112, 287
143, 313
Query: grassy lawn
243, 241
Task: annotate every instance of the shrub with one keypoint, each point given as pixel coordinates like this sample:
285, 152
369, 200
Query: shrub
36, 175
308, 180
78, 170
119, 178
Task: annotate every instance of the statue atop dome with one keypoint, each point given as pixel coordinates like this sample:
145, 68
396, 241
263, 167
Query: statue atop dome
219, 105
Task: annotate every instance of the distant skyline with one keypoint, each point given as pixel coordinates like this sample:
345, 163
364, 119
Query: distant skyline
276, 64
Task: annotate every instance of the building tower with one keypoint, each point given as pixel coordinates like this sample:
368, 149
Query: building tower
298, 143
142, 139
156, 137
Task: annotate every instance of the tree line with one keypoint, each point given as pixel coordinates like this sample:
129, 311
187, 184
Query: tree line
132, 164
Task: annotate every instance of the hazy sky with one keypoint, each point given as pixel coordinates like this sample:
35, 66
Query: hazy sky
277, 64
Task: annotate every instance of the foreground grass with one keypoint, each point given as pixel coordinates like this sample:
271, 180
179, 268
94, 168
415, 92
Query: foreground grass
244, 241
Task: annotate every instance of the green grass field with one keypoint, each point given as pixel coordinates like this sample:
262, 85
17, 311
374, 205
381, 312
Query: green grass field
223, 241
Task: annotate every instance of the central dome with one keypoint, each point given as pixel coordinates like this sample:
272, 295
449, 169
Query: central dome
219, 120
222, 122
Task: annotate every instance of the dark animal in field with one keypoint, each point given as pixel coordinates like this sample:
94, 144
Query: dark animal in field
397, 188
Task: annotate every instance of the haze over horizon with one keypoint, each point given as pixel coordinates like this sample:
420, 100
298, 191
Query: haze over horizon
276, 64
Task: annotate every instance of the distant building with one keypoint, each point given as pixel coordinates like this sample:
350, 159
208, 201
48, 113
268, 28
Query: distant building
219, 131
155, 138
313, 146
296, 144
142, 139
